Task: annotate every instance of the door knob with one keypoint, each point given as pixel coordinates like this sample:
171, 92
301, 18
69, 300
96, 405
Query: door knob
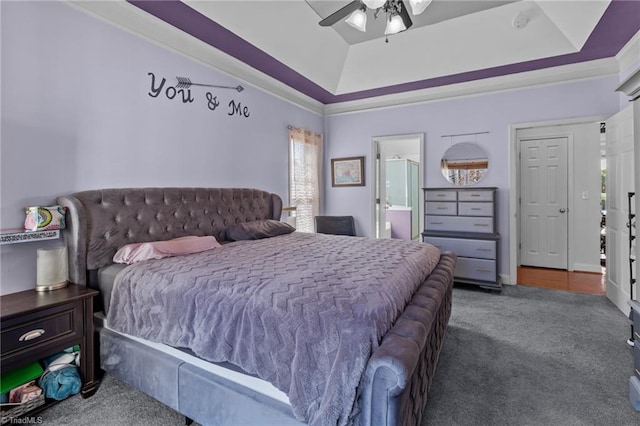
562, 210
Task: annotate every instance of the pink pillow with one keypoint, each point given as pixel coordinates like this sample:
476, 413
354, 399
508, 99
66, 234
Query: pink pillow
136, 252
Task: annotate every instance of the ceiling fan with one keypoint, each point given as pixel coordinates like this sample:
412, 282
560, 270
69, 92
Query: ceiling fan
396, 13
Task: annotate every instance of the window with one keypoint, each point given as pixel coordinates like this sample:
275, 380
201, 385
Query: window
305, 176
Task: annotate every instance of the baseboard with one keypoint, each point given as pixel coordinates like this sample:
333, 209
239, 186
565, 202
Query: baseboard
506, 279
586, 267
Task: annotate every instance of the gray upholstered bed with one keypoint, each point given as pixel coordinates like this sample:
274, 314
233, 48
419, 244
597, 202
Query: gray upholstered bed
388, 350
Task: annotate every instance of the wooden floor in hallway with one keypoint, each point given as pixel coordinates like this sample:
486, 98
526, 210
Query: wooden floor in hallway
576, 282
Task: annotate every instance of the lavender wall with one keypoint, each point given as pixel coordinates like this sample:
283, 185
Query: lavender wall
350, 135
76, 115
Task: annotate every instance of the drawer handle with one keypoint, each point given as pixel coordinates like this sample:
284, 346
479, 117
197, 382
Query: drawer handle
435, 223
476, 208
474, 195
480, 224
441, 195
483, 270
441, 208
30, 335
483, 249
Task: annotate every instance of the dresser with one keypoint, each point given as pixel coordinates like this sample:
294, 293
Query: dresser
464, 221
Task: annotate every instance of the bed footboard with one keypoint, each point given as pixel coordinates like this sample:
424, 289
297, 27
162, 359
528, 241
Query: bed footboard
400, 372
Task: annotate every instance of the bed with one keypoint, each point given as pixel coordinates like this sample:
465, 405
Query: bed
288, 330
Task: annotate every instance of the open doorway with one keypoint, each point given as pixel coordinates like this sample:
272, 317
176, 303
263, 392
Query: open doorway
555, 233
397, 185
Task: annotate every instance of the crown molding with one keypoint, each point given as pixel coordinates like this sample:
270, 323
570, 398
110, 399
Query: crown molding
631, 85
547, 76
134, 20
629, 56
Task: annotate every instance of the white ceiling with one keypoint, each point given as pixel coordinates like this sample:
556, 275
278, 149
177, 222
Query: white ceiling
289, 31
439, 10
455, 47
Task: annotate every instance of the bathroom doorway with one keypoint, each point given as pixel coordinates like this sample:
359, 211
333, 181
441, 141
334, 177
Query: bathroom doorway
398, 174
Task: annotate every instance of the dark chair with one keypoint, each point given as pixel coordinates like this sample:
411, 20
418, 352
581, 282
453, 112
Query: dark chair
336, 225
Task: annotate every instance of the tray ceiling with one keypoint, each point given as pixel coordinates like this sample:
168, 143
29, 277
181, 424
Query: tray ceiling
452, 41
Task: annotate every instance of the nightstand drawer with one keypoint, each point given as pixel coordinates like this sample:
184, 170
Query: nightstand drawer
39, 329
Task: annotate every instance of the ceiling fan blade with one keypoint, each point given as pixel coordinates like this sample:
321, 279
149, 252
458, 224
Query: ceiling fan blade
341, 13
404, 14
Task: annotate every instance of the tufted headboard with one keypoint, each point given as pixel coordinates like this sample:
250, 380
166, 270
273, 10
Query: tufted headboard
99, 222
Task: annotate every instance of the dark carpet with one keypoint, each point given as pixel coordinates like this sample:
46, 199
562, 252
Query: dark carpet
527, 357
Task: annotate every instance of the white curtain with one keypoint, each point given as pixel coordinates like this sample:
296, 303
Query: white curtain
305, 176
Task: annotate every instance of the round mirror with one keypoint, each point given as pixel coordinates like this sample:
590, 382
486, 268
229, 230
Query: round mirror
464, 163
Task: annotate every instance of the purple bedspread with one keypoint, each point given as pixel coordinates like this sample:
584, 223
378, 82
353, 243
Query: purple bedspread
302, 311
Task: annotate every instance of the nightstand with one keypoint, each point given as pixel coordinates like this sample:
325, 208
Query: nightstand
35, 325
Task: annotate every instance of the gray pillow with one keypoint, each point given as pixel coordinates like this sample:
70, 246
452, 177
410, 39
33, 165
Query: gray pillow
258, 229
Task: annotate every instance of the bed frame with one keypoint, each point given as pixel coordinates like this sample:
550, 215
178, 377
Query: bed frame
394, 387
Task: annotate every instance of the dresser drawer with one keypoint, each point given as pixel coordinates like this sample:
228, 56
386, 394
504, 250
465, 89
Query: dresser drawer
436, 195
478, 195
459, 224
442, 208
483, 249
475, 209
39, 329
476, 269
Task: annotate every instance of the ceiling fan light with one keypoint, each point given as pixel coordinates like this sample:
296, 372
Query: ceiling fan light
418, 6
374, 4
358, 20
395, 25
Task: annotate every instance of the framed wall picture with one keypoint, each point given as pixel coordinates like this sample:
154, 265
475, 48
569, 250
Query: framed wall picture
347, 171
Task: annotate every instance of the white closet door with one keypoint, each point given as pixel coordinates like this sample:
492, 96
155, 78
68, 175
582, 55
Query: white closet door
543, 204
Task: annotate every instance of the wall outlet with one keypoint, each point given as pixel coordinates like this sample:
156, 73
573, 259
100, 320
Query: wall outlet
585, 195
